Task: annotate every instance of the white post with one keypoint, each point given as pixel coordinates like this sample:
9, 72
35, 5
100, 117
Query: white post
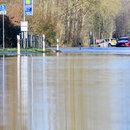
43, 43
18, 44
57, 45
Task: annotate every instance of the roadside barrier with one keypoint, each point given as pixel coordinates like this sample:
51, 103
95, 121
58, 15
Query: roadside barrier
31, 41
57, 44
18, 44
44, 43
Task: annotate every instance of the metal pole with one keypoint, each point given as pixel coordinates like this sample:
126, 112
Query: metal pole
24, 20
23, 11
3, 34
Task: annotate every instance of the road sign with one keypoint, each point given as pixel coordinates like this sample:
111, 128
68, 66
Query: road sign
2, 12
24, 26
3, 7
28, 7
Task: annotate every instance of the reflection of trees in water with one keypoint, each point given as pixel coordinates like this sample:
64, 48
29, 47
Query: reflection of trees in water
64, 92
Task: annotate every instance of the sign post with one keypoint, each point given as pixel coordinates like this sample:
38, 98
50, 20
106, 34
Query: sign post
28, 10
3, 12
28, 7
24, 28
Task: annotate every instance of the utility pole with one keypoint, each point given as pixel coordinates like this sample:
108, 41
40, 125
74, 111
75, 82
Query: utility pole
3, 34
28, 10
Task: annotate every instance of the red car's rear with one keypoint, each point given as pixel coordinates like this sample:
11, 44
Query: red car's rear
123, 42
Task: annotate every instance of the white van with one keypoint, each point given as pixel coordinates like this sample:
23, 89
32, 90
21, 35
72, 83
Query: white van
111, 42
103, 44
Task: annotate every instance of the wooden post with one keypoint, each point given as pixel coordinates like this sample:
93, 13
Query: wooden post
57, 45
18, 44
44, 44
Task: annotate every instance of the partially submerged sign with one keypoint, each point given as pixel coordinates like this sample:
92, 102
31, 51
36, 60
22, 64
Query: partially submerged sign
24, 26
28, 7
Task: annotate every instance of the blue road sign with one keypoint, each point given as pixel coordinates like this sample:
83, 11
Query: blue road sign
3, 7
28, 7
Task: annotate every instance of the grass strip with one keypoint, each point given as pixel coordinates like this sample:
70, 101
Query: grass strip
26, 50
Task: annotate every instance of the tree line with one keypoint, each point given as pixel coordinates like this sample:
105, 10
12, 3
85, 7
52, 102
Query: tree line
73, 20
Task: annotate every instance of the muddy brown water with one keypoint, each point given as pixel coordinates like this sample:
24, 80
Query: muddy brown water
65, 92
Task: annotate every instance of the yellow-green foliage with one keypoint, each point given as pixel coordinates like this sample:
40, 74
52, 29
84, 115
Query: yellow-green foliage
71, 20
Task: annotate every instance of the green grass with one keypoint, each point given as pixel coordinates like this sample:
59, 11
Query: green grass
26, 50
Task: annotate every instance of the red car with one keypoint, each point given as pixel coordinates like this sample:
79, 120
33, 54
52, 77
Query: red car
123, 42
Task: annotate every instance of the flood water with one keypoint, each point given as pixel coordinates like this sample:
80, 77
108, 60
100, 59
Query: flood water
65, 92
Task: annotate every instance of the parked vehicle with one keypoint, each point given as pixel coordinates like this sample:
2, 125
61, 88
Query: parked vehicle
99, 41
103, 44
123, 42
111, 42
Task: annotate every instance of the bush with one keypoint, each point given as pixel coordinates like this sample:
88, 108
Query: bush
11, 33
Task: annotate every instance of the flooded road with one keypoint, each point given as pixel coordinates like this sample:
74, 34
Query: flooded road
65, 92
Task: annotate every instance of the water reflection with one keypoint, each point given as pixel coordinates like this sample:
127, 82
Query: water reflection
66, 91
3, 103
